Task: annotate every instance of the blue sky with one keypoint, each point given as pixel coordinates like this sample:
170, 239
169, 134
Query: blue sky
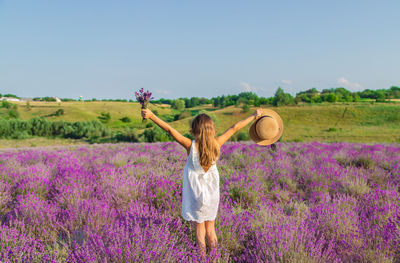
109, 49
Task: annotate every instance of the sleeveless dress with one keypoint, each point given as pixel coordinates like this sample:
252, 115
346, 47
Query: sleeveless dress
200, 189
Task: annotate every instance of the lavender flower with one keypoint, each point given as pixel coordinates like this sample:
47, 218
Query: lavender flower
143, 98
303, 202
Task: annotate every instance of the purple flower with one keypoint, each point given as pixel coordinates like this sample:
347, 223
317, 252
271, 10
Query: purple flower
143, 97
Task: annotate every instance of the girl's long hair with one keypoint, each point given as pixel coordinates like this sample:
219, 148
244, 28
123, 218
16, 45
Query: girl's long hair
203, 130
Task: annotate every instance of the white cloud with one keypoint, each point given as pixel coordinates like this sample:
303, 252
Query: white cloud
348, 84
286, 81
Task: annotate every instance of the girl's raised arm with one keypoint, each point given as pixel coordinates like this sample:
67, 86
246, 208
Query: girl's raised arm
182, 140
237, 126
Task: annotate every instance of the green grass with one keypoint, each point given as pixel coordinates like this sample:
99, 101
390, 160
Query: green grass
351, 122
326, 122
38, 141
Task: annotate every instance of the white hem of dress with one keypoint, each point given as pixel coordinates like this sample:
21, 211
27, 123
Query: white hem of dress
197, 221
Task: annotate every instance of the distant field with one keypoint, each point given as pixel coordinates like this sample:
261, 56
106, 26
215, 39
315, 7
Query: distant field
38, 141
84, 111
352, 122
328, 123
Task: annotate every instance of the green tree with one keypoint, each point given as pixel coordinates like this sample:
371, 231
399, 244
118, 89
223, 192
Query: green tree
178, 104
380, 96
330, 97
245, 108
394, 92
281, 98
316, 99
194, 101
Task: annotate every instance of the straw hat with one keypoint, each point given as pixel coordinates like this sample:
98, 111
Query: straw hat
267, 129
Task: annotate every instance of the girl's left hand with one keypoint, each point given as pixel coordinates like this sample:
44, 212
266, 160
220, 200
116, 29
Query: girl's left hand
258, 113
147, 114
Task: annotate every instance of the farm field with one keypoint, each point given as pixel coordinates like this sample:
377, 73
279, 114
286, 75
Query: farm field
304, 202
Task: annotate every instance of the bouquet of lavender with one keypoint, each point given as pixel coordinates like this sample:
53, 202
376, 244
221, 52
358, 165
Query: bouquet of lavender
143, 98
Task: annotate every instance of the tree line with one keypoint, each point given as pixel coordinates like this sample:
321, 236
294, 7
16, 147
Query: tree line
281, 98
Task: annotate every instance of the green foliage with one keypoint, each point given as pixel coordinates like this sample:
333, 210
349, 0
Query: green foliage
281, 98
316, 99
127, 135
125, 119
156, 134
59, 112
11, 96
6, 104
20, 135
43, 127
12, 113
189, 135
178, 104
330, 97
380, 96
49, 99
245, 108
104, 117
65, 99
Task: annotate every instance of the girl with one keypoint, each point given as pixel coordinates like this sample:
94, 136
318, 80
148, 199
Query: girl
200, 189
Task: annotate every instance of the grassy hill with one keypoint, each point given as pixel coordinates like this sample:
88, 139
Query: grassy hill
340, 122
351, 122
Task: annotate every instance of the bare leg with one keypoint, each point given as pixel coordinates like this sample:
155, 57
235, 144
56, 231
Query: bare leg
211, 235
201, 237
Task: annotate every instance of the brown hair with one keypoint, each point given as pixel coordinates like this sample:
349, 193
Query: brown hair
203, 130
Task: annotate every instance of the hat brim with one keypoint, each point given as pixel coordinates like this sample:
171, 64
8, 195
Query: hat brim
253, 133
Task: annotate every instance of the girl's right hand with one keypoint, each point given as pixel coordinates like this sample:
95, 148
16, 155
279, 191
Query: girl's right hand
147, 114
258, 113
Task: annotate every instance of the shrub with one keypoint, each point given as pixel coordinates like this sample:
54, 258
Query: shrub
189, 135
13, 114
43, 127
6, 104
156, 134
127, 135
125, 119
104, 117
245, 108
59, 112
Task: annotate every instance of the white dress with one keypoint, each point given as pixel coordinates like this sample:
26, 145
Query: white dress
200, 190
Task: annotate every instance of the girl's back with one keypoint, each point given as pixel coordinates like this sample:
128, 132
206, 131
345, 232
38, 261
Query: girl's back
200, 189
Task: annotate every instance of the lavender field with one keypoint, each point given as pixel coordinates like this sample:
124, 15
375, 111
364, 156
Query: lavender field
304, 202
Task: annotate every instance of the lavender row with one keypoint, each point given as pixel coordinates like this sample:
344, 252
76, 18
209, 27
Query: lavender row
303, 202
